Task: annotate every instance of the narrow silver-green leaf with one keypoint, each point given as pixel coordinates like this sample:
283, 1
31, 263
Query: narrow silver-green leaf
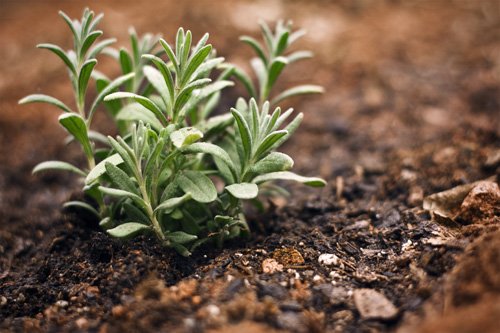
61, 54
84, 76
287, 175
195, 61
245, 134
172, 203
40, 98
255, 45
211, 149
165, 71
75, 125
269, 142
57, 165
128, 230
180, 237
299, 90
144, 101
100, 168
157, 80
120, 178
81, 204
137, 112
88, 41
243, 191
108, 89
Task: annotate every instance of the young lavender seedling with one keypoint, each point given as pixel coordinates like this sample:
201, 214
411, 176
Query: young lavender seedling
158, 176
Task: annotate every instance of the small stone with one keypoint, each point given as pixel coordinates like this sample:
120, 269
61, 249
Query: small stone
288, 257
482, 204
373, 305
21, 297
3, 300
328, 259
213, 310
270, 266
62, 304
82, 323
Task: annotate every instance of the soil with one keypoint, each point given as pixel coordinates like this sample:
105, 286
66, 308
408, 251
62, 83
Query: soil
412, 108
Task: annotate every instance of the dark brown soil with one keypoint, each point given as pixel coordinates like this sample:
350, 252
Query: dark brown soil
412, 108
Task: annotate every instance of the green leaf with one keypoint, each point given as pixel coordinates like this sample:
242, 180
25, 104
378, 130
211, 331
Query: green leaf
171, 55
84, 76
198, 185
185, 136
282, 43
144, 101
88, 41
137, 112
273, 162
40, 98
182, 250
287, 175
128, 230
180, 237
61, 54
274, 71
126, 62
100, 168
71, 25
107, 90
299, 55
201, 43
186, 47
96, 50
179, 42
299, 90
267, 34
83, 205
290, 128
185, 93
269, 141
211, 149
255, 45
243, 191
245, 134
243, 77
195, 62
120, 179
172, 203
165, 72
123, 194
75, 125
135, 214
57, 165
157, 81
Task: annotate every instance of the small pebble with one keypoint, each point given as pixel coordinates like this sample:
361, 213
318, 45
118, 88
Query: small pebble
62, 304
328, 259
270, 266
3, 301
213, 310
373, 305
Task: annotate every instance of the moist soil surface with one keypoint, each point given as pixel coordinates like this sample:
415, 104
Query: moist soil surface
411, 109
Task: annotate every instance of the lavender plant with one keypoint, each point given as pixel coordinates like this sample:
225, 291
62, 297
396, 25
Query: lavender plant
158, 175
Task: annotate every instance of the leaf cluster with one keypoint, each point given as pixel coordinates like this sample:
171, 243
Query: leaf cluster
159, 175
